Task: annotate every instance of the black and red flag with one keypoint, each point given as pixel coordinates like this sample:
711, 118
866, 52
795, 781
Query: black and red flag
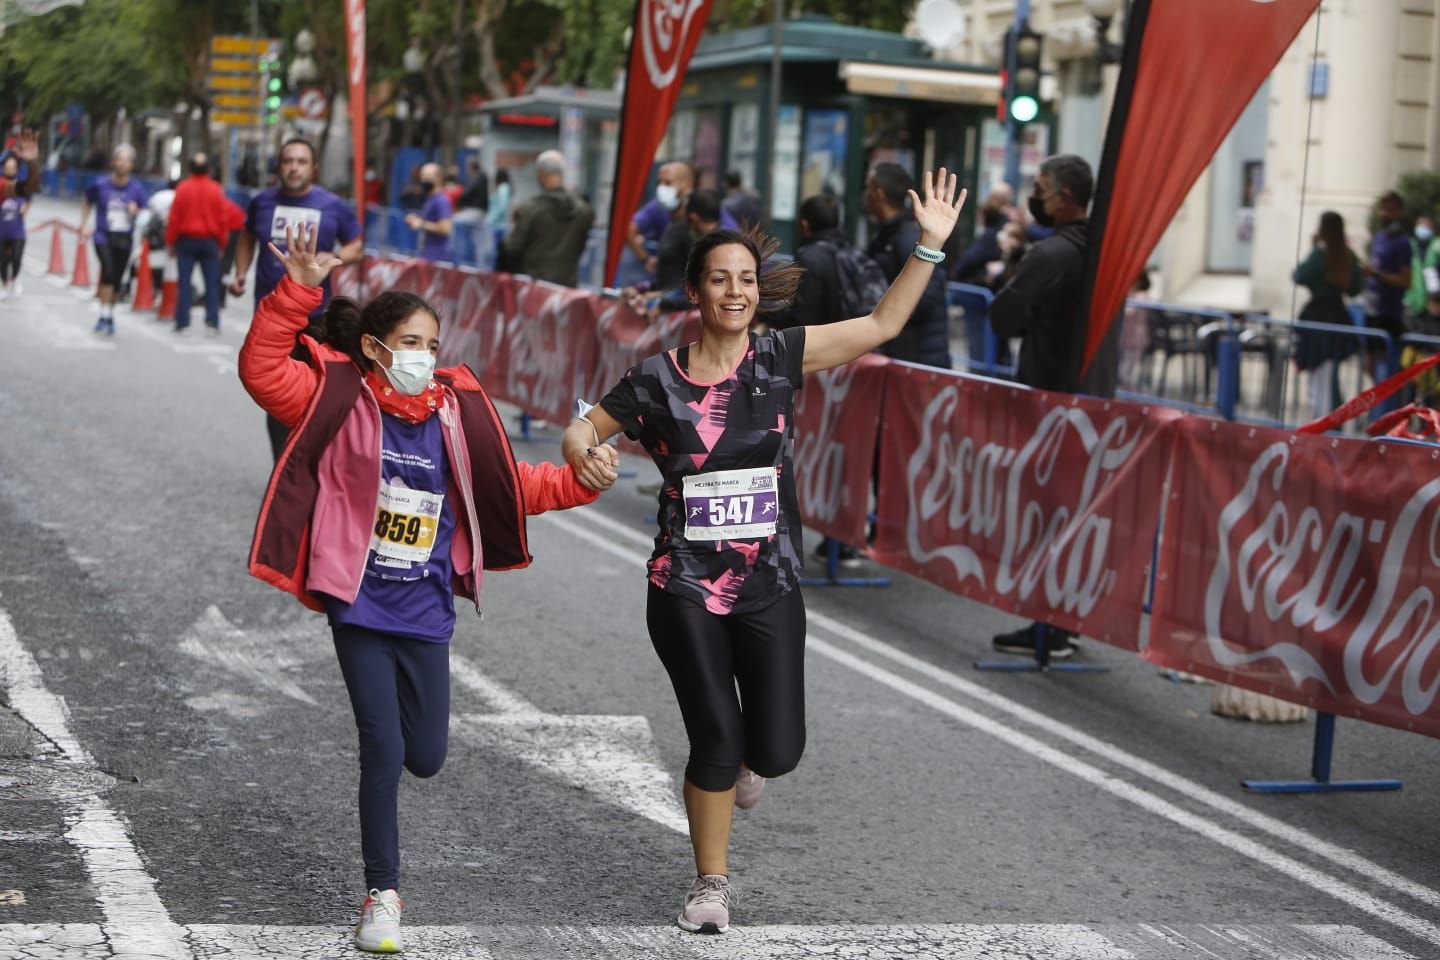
1190, 67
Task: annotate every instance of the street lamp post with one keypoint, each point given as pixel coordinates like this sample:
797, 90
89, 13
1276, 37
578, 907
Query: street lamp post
1104, 11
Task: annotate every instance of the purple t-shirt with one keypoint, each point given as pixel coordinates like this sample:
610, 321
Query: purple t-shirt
407, 588
433, 246
12, 218
652, 219
272, 211
112, 206
1390, 252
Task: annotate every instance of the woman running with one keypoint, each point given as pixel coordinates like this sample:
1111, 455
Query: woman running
396, 490
12, 232
724, 606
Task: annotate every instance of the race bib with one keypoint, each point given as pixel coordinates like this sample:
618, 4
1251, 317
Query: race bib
117, 217
732, 504
406, 522
289, 217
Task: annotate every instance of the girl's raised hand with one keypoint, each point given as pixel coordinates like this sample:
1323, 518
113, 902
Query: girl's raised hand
939, 209
302, 261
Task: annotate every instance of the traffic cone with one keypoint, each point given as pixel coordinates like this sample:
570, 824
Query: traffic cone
57, 252
169, 290
144, 284
82, 264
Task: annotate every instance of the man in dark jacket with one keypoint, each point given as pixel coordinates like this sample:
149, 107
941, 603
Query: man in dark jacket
926, 338
551, 228
818, 299
1045, 305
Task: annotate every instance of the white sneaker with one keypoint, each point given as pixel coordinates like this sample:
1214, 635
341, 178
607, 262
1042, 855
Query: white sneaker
17, 289
379, 929
4, 293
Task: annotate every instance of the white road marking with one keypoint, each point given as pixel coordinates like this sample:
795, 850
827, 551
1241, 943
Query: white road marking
1324, 883
612, 757
137, 925
250, 654
941, 941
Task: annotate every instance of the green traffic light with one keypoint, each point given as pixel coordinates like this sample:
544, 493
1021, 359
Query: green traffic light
275, 84
1023, 109
272, 103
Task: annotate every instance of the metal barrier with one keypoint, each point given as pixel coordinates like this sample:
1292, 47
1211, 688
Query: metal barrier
984, 352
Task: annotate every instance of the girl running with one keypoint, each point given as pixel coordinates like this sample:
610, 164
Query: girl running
724, 606
12, 231
396, 490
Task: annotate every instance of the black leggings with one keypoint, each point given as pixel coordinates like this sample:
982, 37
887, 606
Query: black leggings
707, 655
12, 251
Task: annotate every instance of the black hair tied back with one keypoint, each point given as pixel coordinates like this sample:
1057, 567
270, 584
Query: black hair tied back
347, 324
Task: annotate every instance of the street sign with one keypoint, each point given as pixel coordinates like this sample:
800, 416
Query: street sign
235, 118
238, 101
313, 103
226, 81
245, 46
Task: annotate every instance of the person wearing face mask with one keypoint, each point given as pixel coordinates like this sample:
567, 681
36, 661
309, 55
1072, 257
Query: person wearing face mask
436, 219
1044, 305
1388, 276
1426, 258
675, 180
397, 490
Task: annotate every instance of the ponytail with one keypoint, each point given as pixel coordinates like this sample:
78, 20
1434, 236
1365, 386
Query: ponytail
346, 324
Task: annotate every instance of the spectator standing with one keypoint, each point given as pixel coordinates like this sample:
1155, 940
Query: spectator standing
470, 209
117, 200
551, 228
1044, 305
436, 219
743, 204
12, 231
453, 189
926, 338
1331, 273
974, 266
675, 180
200, 221
1427, 258
155, 215
296, 200
499, 213
1388, 276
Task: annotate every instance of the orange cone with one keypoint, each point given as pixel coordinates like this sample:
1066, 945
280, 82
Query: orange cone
144, 284
169, 290
57, 252
82, 264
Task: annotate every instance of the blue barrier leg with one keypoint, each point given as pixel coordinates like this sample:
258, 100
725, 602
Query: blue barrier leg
1320, 758
1227, 386
832, 576
1041, 662
525, 435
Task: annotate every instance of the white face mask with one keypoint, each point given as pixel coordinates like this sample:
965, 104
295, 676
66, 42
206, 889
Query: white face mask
410, 370
667, 196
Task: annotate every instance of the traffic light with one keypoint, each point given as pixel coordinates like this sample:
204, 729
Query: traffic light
272, 88
1022, 82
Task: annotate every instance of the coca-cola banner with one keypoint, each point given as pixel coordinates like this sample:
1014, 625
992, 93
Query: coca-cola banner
1306, 567
1038, 503
837, 420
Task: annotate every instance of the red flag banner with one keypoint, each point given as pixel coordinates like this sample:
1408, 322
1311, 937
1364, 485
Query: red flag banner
1304, 567
1033, 502
664, 38
1188, 72
355, 44
837, 420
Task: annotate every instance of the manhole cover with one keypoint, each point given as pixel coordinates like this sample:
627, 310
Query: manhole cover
35, 780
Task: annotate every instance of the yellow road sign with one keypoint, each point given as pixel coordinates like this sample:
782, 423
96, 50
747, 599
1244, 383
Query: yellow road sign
233, 65
248, 84
238, 101
236, 118
253, 46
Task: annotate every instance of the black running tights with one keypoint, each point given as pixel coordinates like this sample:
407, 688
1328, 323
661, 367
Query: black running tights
12, 251
707, 656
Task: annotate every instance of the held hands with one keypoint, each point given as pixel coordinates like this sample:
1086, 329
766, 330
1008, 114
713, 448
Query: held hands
597, 467
939, 209
302, 261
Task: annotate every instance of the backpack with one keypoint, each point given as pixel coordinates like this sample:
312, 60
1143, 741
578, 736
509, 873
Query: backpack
862, 282
155, 232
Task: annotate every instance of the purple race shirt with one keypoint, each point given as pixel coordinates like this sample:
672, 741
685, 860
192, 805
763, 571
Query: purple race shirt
271, 212
434, 246
12, 218
406, 590
112, 206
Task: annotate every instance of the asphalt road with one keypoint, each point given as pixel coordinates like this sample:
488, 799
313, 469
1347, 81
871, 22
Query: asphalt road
177, 754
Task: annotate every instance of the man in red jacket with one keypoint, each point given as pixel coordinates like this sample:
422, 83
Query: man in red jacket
201, 219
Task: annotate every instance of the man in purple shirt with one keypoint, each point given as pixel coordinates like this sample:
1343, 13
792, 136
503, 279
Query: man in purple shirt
117, 200
1388, 276
436, 220
675, 183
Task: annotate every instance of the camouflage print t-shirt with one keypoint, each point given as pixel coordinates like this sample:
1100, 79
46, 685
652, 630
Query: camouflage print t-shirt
699, 431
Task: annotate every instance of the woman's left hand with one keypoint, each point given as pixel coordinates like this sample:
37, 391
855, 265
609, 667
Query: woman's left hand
939, 209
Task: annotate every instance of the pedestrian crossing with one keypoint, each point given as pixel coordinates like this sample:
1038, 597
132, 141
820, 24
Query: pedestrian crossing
854, 942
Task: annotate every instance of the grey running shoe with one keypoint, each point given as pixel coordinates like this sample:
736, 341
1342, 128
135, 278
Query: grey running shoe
748, 787
707, 905
379, 929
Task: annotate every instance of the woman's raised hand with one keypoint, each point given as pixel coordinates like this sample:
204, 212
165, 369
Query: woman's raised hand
940, 207
302, 261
